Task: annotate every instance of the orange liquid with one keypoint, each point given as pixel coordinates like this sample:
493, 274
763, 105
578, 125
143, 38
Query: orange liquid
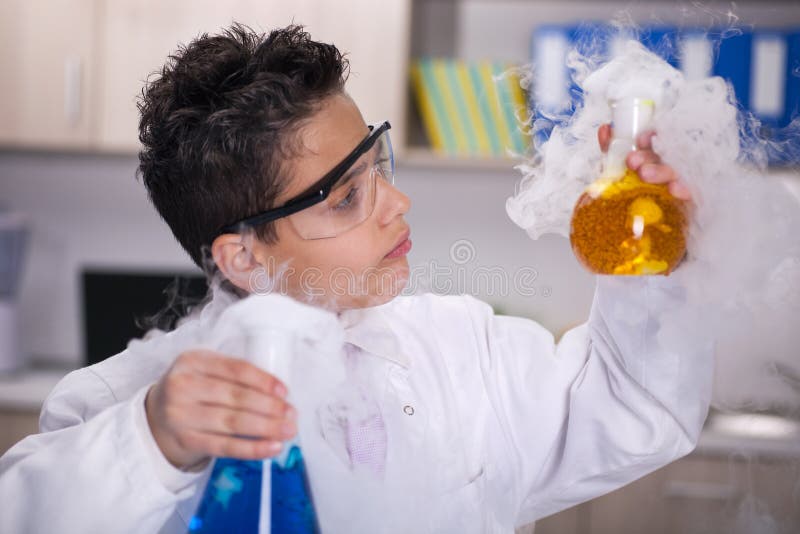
628, 227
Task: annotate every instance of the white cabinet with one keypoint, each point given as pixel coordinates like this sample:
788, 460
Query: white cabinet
75, 68
48, 73
376, 38
136, 37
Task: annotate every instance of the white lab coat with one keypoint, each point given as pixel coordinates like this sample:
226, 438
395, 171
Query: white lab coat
489, 422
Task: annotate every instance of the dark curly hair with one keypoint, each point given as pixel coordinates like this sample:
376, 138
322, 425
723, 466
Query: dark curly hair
219, 123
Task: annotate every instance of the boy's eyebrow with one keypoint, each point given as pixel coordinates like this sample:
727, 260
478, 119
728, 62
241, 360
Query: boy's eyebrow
315, 188
357, 169
349, 174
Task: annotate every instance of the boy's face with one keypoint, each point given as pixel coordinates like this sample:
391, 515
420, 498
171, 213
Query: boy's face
355, 268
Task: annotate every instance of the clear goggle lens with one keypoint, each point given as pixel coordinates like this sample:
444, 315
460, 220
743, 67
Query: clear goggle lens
352, 198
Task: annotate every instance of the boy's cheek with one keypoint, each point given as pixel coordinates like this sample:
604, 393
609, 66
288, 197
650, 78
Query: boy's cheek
346, 271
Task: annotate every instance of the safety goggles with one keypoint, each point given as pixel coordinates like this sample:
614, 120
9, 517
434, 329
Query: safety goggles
340, 200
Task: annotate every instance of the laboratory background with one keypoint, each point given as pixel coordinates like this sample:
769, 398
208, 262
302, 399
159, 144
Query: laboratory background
85, 259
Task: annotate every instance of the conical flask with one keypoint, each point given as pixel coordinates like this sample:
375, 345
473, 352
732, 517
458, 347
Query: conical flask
621, 224
273, 495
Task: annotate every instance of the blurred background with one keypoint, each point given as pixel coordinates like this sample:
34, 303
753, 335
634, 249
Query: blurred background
85, 255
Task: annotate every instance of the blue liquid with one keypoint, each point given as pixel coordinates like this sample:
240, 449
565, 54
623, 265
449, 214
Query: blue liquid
292, 510
232, 499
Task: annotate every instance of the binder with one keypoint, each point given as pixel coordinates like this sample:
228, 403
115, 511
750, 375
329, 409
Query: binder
507, 107
477, 118
787, 135
733, 64
438, 99
452, 113
768, 77
493, 101
663, 41
695, 54
597, 40
792, 107
598, 43
464, 120
427, 107
485, 108
550, 45
551, 79
521, 109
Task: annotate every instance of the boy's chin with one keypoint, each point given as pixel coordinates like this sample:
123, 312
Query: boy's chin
387, 289
383, 298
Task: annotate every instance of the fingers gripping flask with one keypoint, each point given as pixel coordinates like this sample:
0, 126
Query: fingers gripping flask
621, 224
273, 495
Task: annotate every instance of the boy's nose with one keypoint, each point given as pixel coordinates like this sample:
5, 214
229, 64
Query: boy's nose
391, 202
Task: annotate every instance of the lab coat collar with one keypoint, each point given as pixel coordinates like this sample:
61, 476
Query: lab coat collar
370, 330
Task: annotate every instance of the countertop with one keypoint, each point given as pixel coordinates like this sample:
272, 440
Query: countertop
26, 390
724, 433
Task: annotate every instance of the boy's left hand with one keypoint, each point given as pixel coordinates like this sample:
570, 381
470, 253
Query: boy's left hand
647, 163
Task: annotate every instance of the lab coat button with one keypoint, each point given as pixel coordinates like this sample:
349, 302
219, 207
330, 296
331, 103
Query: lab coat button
408, 409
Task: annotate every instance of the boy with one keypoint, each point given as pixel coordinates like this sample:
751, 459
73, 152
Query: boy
263, 167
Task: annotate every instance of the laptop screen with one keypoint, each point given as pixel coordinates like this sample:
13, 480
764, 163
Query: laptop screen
122, 305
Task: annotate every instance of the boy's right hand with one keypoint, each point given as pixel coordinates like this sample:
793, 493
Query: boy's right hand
208, 405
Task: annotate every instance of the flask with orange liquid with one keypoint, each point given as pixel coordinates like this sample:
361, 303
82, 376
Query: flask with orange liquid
622, 224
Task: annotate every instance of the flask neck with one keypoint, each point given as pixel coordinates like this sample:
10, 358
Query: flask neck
271, 349
630, 117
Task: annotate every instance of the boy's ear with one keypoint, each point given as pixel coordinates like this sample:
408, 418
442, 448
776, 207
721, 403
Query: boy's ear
234, 258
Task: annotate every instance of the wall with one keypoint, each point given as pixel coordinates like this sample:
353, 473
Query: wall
84, 211
90, 211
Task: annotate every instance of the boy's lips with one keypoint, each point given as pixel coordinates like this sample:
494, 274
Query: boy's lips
402, 247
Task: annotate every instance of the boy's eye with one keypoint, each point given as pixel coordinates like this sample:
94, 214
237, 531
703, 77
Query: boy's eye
349, 201
383, 165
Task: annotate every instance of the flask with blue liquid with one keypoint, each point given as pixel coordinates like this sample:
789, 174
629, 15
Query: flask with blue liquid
273, 495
